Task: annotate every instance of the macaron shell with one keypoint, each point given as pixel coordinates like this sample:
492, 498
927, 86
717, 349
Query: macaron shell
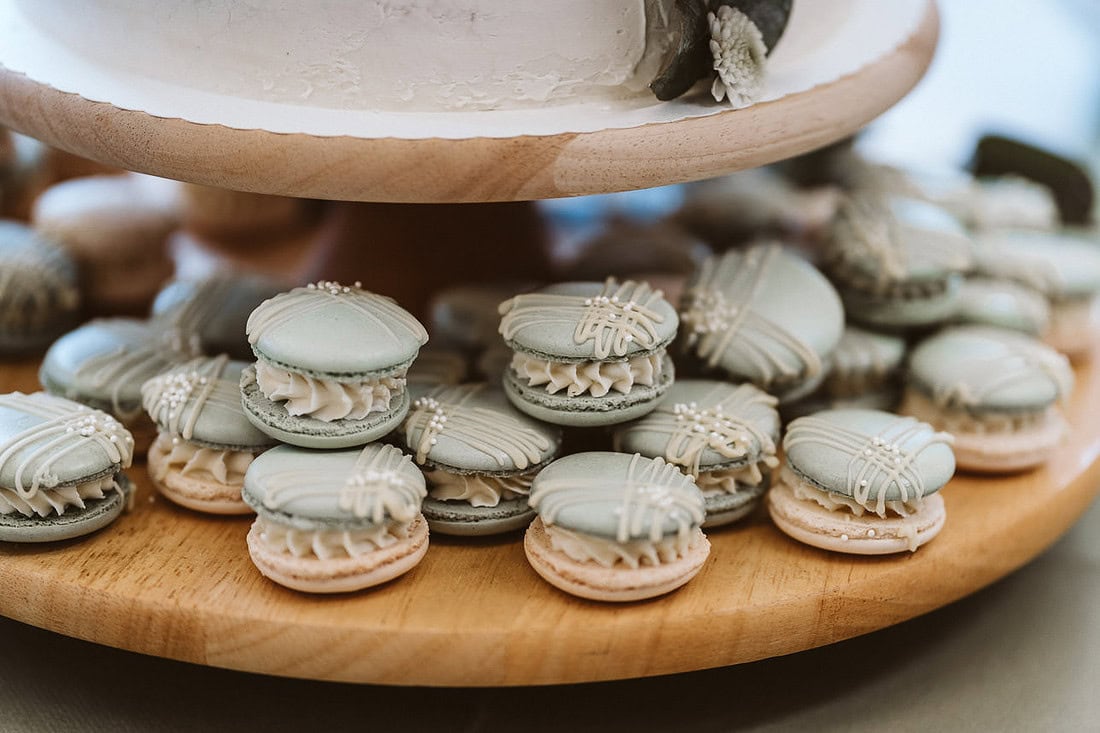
208, 497
1059, 266
344, 575
272, 419
460, 519
902, 313
1003, 304
615, 584
839, 531
96, 515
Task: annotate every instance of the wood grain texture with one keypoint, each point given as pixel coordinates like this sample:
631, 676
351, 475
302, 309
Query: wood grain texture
168, 582
471, 170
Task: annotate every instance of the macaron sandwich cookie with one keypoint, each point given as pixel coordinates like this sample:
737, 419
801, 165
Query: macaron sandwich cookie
616, 527
60, 468
331, 365
205, 443
996, 391
865, 371
479, 455
897, 262
763, 315
335, 521
722, 435
863, 482
39, 299
1004, 304
588, 354
104, 363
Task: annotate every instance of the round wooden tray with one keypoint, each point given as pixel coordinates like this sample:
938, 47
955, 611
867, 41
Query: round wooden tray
468, 170
172, 583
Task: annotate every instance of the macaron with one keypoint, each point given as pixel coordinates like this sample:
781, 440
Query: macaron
762, 315
61, 468
722, 435
335, 521
331, 365
25, 172
588, 354
863, 482
866, 366
205, 443
214, 311
479, 455
616, 527
897, 262
39, 299
996, 391
1005, 202
104, 363
1064, 268
466, 317
1002, 303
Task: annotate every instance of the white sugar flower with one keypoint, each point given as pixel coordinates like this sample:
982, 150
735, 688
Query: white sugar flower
739, 52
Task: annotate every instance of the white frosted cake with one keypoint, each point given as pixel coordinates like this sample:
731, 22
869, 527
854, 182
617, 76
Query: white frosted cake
409, 55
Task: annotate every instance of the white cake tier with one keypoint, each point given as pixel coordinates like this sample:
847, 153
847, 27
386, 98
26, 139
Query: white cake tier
407, 55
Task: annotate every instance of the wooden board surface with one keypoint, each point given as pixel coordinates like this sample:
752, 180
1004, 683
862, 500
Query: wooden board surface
470, 170
172, 583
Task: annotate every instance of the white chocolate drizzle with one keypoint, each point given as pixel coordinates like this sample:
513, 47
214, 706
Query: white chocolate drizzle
619, 319
379, 309
506, 439
378, 487
721, 321
877, 460
65, 427
168, 395
654, 492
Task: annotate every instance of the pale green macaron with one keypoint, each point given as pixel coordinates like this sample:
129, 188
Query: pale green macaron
205, 442
1004, 304
335, 521
722, 435
996, 390
479, 455
39, 298
331, 365
763, 315
588, 354
897, 262
60, 468
862, 482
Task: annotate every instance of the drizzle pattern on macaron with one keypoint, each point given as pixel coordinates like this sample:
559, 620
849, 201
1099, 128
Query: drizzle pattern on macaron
496, 434
876, 462
616, 320
720, 319
166, 396
122, 365
999, 371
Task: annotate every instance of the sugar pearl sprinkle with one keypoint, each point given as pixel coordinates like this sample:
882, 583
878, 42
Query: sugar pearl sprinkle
176, 389
334, 288
883, 452
720, 432
709, 313
91, 424
437, 420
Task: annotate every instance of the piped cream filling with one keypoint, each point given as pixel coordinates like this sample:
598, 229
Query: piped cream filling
633, 553
44, 502
485, 491
327, 399
729, 480
330, 544
226, 467
593, 377
960, 421
839, 503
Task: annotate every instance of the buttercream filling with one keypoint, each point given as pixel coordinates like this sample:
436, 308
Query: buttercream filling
478, 490
729, 480
330, 544
226, 467
327, 399
633, 553
839, 502
44, 502
961, 421
596, 378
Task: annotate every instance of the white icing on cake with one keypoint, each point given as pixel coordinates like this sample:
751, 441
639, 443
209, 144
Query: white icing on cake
406, 55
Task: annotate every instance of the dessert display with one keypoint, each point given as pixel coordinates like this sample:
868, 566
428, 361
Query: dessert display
116, 227
588, 354
763, 315
39, 299
863, 482
987, 301
335, 521
479, 456
61, 468
205, 443
616, 527
331, 364
723, 436
996, 391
